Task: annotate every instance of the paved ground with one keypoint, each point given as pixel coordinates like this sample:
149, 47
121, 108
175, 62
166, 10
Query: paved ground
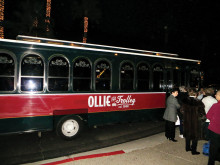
153, 150
25, 148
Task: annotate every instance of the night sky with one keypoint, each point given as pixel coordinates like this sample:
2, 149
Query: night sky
186, 27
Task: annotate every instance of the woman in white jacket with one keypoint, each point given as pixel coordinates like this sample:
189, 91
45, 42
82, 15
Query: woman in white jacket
208, 101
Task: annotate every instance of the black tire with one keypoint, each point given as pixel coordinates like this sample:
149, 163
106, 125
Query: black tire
69, 127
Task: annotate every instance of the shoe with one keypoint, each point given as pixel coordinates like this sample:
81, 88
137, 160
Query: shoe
174, 140
181, 136
168, 138
195, 153
188, 149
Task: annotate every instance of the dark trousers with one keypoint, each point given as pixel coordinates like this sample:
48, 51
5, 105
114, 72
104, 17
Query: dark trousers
192, 146
214, 148
170, 129
206, 131
181, 127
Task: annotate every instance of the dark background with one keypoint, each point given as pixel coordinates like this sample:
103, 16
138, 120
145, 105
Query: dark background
189, 28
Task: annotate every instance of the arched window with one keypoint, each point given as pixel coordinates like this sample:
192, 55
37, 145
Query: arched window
58, 74
183, 77
143, 77
176, 74
194, 78
127, 76
32, 73
81, 75
7, 72
169, 79
102, 75
158, 80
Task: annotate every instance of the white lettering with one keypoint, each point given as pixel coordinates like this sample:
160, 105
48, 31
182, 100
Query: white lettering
104, 101
119, 99
128, 100
108, 101
96, 105
100, 101
91, 101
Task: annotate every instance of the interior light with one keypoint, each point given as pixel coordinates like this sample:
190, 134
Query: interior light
53, 42
31, 85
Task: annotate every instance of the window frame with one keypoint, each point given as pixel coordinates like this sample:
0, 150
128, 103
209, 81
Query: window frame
190, 76
149, 72
91, 77
43, 77
15, 70
163, 78
94, 76
48, 65
183, 76
120, 78
177, 69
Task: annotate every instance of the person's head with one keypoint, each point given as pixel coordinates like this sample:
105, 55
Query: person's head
175, 92
201, 93
190, 90
192, 93
209, 91
182, 89
217, 96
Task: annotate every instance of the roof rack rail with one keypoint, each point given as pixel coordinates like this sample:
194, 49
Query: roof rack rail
88, 45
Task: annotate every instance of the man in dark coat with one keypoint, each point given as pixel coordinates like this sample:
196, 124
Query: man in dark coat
182, 97
193, 112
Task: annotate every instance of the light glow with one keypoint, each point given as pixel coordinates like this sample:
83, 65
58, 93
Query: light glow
1, 18
85, 29
31, 85
48, 11
35, 24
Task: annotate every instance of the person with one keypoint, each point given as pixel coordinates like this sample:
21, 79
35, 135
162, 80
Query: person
201, 94
208, 101
182, 96
192, 110
170, 115
214, 127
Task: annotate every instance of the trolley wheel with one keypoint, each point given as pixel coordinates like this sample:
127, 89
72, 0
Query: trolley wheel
69, 127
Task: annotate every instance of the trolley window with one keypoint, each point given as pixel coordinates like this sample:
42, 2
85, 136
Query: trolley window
103, 75
81, 75
7, 72
143, 77
158, 78
127, 76
32, 73
183, 77
176, 82
194, 78
169, 79
58, 78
